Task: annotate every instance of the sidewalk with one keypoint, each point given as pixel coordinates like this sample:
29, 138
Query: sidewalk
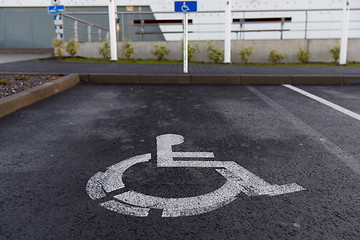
9, 58
205, 69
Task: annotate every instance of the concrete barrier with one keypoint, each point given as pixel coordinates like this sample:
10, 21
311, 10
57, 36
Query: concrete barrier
17, 101
349, 80
257, 80
218, 79
320, 49
318, 80
215, 79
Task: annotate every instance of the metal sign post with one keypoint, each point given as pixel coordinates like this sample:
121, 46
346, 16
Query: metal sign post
227, 40
186, 7
112, 29
345, 32
57, 10
58, 22
186, 43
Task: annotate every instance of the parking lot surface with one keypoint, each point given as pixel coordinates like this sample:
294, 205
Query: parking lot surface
182, 162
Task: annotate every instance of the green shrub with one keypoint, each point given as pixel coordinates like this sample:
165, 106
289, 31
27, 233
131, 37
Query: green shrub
302, 55
128, 49
216, 55
245, 53
22, 78
192, 50
72, 47
4, 82
160, 51
275, 56
335, 52
58, 44
104, 50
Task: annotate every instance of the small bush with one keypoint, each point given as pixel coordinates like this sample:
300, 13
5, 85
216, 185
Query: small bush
4, 82
128, 49
216, 55
104, 50
192, 50
245, 53
302, 55
275, 56
160, 51
58, 44
335, 52
72, 47
22, 78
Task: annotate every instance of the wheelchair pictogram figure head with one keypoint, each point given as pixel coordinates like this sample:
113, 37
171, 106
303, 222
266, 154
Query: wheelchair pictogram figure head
185, 8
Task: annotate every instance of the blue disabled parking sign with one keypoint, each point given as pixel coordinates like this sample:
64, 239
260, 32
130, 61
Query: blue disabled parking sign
56, 9
186, 6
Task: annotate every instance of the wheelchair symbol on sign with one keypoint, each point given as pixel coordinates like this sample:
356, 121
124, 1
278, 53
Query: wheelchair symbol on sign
239, 180
185, 8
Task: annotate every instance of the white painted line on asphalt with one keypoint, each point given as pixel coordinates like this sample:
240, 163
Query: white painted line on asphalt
323, 101
331, 147
239, 180
193, 154
125, 209
112, 179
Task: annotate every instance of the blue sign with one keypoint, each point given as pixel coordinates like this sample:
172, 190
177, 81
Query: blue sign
57, 17
56, 9
186, 6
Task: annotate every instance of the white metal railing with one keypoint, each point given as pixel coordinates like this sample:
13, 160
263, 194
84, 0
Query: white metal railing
73, 30
303, 24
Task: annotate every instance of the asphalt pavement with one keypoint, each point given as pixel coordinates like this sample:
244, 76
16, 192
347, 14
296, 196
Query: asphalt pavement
84, 164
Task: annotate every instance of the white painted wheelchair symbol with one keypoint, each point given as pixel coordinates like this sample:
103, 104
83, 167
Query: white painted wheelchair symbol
184, 7
239, 180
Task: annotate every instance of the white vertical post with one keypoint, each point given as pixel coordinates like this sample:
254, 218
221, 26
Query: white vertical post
112, 29
99, 34
227, 42
345, 32
89, 33
58, 21
186, 39
76, 31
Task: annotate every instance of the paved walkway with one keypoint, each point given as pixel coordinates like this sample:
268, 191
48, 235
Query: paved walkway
10, 58
204, 69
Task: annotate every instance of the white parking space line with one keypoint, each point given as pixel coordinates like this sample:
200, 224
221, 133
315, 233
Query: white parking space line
323, 101
331, 147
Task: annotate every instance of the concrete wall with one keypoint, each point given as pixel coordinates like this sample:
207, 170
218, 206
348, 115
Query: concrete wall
320, 49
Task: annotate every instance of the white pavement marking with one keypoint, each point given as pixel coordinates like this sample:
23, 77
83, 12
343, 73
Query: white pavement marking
165, 155
125, 209
187, 206
323, 101
331, 147
94, 186
137, 204
193, 154
113, 176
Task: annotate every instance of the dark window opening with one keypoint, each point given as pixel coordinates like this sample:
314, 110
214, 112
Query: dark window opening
261, 20
155, 22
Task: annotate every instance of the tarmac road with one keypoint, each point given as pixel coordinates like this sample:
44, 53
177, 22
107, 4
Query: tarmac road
51, 149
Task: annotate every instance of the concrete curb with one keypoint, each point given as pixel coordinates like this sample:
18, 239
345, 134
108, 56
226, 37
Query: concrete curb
15, 102
218, 79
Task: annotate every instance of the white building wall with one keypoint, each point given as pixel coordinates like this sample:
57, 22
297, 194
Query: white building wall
210, 26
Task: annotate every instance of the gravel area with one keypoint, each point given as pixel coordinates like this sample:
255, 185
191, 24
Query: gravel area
14, 83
